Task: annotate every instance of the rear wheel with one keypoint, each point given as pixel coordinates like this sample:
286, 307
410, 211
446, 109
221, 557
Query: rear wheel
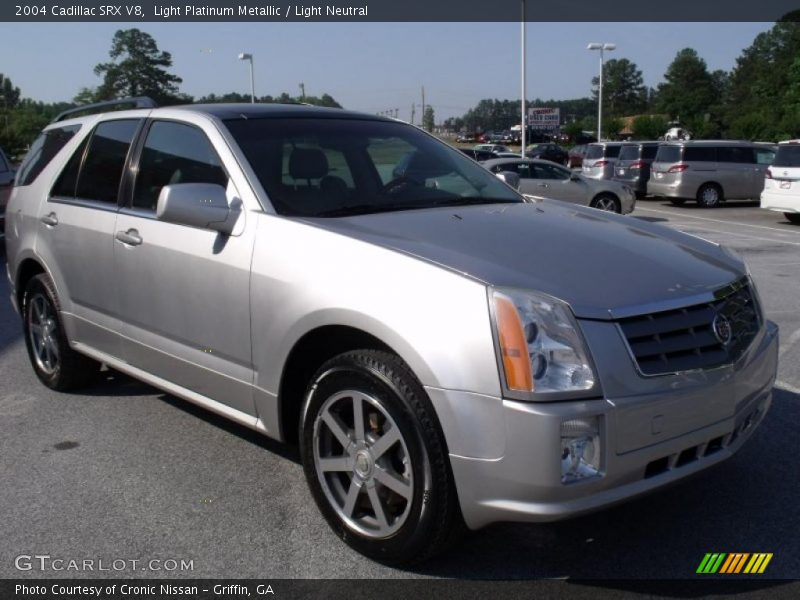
375, 459
607, 202
55, 363
709, 195
792, 218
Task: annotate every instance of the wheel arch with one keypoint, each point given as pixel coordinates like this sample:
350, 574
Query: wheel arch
28, 268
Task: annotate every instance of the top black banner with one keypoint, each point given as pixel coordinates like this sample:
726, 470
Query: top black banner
397, 10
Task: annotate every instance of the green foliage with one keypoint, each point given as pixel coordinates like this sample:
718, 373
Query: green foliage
138, 68
649, 127
624, 92
689, 90
428, 119
573, 129
612, 127
284, 98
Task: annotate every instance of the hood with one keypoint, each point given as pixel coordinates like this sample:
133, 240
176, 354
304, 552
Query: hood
603, 265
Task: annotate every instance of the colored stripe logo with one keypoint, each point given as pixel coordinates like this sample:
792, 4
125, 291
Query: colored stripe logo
734, 562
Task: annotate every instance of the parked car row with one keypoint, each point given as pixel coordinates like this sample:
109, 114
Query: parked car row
782, 182
6, 180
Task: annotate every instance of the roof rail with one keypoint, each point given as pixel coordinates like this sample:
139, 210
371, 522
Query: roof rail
138, 102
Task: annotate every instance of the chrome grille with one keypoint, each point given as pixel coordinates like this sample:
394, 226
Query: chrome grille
684, 339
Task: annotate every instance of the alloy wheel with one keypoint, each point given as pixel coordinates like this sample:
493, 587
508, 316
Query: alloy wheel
43, 333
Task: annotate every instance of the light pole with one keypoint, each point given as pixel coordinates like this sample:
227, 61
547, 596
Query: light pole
602, 47
249, 57
523, 131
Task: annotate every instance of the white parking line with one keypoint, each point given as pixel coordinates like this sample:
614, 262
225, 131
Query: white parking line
672, 214
791, 341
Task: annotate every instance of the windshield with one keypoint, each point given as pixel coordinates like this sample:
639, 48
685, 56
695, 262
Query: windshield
788, 156
330, 167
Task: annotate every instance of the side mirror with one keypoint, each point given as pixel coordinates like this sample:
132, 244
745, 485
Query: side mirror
202, 205
509, 178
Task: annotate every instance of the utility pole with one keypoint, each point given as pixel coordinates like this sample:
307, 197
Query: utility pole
413, 106
524, 130
422, 117
302, 92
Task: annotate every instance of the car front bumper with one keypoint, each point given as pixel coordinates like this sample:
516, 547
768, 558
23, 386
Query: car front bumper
506, 455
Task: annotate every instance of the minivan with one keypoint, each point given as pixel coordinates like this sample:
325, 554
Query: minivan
782, 182
600, 159
633, 165
709, 172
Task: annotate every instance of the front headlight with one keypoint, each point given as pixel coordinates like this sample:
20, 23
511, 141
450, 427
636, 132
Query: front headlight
540, 345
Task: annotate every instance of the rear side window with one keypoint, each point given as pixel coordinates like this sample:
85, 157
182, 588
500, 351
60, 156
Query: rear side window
649, 152
612, 151
788, 156
105, 159
699, 154
175, 153
764, 156
668, 154
42, 151
735, 154
66, 182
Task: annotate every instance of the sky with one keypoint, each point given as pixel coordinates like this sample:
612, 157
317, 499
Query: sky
369, 67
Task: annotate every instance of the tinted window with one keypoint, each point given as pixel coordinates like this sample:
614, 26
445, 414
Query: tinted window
699, 154
788, 156
42, 151
612, 151
594, 152
306, 166
66, 182
550, 172
174, 153
629, 153
102, 168
764, 156
735, 154
649, 152
670, 154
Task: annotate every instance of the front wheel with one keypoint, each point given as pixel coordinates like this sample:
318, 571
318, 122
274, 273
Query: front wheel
55, 363
375, 459
608, 203
792, 218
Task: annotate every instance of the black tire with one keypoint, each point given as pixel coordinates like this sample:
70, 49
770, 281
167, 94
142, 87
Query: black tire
678, 201
792, 218
431, 518
70, 369
601, 201
709, 195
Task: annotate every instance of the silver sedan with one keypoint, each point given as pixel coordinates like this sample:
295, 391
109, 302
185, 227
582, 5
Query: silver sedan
545, 179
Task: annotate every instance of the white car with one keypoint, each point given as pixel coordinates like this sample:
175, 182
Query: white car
782, 182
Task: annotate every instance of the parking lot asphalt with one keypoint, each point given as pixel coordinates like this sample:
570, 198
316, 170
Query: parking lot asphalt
124, 471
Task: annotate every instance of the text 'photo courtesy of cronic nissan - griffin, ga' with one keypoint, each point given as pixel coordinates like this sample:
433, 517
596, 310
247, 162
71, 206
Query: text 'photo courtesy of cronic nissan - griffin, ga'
447, 351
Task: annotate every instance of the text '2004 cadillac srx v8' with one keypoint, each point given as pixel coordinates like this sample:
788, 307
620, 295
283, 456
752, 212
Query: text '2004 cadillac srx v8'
445, 352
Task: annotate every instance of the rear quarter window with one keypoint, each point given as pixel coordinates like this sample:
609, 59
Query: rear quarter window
43, 151
699, 154
594, 152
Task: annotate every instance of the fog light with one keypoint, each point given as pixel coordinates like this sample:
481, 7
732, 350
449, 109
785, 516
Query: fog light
580, 449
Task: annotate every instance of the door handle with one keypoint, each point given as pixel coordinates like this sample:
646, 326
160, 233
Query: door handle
544, 185
129, 238
51, 220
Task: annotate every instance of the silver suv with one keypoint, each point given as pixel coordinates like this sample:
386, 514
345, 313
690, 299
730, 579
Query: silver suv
709, 171
444, 352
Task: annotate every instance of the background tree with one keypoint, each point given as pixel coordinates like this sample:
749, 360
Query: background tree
624, 92
612, 127
689, 91
572, 129
649, 127
760, 99
428, 118
138, 68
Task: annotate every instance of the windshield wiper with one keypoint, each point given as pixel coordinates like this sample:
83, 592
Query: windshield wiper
364, 209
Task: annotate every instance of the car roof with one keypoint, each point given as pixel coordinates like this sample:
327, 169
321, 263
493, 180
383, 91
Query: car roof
496, 161
605, 143
786, 142
228, 111
708, 143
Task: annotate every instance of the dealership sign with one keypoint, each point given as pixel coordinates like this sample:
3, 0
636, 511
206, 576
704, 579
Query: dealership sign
544, 119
